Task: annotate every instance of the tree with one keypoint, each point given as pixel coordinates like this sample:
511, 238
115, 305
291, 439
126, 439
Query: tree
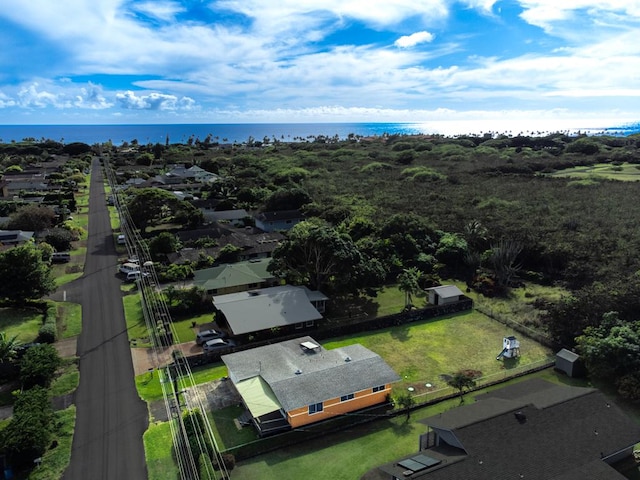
32, 218
610, 352
150, 205
60, 239
38, 365
287, 199
163, 244
503, 260
462, 381
406, 401
30, 275
408, 282
316, 254
452, 249
28, 434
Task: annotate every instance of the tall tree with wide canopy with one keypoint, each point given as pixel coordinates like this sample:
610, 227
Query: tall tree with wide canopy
611, 351
149, 205
30, 276
316, 254
33, 218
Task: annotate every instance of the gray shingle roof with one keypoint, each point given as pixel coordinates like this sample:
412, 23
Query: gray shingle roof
233, 275
266, 308
325, 374
447, 291
567, 433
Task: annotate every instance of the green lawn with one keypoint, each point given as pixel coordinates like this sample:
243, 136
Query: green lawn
420, 352
21, 322
626, 172
158, 445
136, 326
149, 387
70, 319
67, 379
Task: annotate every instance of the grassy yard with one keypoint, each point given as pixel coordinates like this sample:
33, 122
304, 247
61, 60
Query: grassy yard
149, 387
158, 444
21, 322
420, 352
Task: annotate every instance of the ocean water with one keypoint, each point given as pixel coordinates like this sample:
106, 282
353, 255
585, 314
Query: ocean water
238, 133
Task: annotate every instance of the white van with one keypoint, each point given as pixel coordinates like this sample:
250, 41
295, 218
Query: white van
135, 275
127, 268
60, 257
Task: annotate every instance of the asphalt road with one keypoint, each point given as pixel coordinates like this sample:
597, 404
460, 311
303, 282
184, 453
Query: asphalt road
111, 417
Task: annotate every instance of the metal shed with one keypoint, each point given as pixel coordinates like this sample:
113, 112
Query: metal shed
569, 363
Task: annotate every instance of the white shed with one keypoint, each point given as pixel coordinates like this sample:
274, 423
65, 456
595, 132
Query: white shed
444, 294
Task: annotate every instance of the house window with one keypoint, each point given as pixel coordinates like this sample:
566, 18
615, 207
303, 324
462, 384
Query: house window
378, 389
315, 408
345, 398
309, 323
298, 326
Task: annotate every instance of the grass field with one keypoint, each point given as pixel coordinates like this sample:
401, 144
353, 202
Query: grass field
627, 172
149, 387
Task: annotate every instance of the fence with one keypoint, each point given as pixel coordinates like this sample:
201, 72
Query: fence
518, 327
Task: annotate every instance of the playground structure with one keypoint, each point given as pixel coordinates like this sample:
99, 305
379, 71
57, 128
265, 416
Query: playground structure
510, 348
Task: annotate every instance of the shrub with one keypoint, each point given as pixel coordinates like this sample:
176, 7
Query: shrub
47, 333
29, 432
38, 365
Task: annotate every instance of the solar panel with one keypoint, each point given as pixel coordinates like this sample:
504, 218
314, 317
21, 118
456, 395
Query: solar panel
412, 465
426, 460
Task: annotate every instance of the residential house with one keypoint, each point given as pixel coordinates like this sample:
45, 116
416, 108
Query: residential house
12, 238
532, 429
298, 382
232, 217
286, 307
444, 294
253, 242
236, 277
283, 220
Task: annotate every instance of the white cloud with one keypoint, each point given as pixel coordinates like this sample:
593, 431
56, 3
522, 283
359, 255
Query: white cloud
153, 101
414, 39
162, 10
549, 14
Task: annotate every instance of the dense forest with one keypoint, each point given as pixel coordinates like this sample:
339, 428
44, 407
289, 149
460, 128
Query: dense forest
494, 210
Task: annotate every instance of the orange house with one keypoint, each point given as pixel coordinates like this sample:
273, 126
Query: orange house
298, 382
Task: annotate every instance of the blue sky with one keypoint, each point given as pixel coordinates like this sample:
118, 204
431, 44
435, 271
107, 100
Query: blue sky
528, 64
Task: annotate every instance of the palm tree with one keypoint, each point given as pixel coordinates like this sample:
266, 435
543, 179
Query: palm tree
8, 347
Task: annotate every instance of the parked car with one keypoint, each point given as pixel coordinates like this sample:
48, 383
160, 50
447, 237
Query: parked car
129, 267
135, 275
207, 335
217, 344
121, 239
60, 257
